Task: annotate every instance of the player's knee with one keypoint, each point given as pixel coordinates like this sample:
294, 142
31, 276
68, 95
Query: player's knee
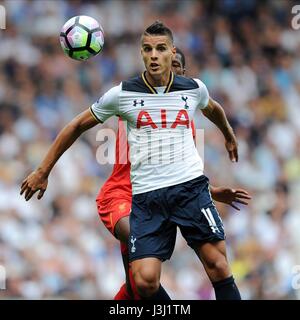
220, 266
147, 283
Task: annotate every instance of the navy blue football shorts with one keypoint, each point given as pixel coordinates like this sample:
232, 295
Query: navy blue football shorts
156, 215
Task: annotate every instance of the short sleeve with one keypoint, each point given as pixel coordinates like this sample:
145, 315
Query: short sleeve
107, 105
203, 95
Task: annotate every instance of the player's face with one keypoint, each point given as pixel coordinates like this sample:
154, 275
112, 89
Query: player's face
157, 53
177, 66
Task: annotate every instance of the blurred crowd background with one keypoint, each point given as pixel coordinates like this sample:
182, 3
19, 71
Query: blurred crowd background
247, 54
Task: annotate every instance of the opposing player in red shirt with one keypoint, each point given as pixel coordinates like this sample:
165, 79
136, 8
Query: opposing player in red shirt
114, 198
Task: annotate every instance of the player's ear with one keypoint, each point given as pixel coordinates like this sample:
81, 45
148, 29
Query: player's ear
174, 51
141, 43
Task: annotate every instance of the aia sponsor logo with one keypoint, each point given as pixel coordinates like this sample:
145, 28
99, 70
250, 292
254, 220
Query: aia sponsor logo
144, 119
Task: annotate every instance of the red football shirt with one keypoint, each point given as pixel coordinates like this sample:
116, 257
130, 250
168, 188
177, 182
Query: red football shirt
118, 185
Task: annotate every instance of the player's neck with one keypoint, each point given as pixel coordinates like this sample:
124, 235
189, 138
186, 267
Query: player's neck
159, 81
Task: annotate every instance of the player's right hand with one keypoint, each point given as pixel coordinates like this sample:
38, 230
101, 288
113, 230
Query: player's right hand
33, 183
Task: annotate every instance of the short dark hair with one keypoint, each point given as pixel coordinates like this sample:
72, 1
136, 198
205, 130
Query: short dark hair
158, 28
182, 56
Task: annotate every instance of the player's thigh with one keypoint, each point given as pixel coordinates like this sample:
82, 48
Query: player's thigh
115, 217
152, 234
122, 229
195, 213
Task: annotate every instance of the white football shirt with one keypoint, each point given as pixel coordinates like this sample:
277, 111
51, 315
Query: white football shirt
162, 150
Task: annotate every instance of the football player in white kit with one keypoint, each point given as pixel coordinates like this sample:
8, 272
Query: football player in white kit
168, 185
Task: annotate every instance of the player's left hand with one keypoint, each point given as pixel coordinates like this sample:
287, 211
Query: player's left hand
231, 196
232, 148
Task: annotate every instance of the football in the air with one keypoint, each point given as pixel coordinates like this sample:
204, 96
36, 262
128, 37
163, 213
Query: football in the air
82, 37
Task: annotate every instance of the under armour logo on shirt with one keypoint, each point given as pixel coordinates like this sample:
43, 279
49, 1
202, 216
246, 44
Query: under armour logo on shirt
136, 102
133, 240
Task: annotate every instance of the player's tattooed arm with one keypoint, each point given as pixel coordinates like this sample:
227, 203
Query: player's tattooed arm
215, 113
230, 196
38, 179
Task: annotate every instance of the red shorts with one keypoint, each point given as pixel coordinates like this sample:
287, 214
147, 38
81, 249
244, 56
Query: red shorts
112, 212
